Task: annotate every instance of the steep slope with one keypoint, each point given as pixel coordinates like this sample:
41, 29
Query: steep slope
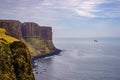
15, 60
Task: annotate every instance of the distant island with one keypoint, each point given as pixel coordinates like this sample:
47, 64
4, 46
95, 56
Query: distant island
95, 40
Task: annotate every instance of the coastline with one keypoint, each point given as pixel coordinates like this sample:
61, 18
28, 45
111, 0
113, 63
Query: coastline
56, 52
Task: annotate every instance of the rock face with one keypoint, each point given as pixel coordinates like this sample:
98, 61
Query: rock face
37, 38
15, 59
40, 37
13, 27
24, 40
30, 29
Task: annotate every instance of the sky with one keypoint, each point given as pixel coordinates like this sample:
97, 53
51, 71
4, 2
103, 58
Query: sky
68, 18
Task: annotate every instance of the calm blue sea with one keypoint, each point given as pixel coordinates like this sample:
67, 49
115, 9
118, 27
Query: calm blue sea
82, 59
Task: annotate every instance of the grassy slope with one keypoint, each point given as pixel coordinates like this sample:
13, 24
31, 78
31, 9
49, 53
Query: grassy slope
38, 46
5, 37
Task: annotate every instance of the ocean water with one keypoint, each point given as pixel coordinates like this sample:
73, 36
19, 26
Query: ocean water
81, 59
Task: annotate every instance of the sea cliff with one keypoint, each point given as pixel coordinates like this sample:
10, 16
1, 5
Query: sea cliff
18, 43
37, 38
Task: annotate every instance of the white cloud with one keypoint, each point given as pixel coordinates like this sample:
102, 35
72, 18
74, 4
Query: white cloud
85, 8
50, 8
85, 13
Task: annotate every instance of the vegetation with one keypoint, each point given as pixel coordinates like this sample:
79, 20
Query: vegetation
15, 59
6, 37
39, 46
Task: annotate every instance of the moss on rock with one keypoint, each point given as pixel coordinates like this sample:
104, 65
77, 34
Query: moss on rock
6, 67
38, 45
15, 59
21, 61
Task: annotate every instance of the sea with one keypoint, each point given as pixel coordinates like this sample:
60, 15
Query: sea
81, 59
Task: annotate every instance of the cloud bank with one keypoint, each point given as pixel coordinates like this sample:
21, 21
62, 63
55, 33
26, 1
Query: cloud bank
67, 15
84, 8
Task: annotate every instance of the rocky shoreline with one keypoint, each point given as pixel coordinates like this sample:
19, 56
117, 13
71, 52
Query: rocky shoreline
56, 52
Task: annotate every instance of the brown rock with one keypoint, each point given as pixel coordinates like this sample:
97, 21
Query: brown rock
31, 29
37, 38
13, 27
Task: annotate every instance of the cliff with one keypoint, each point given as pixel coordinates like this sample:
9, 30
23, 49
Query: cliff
31, 29
15, 59
13, 27
37, 38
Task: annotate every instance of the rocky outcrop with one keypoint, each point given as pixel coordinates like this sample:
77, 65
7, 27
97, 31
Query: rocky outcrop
15, 59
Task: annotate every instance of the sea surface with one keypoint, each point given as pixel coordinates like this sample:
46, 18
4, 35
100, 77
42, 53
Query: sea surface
81, 59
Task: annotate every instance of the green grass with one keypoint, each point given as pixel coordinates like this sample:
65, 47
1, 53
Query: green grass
6, 37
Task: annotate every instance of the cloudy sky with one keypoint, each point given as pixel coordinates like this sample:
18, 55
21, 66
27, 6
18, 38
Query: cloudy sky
68, 18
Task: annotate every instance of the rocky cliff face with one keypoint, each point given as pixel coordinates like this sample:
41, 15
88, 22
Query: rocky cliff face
13, 27
15, 59
24, 40
37, 38
30, 29
40, 37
